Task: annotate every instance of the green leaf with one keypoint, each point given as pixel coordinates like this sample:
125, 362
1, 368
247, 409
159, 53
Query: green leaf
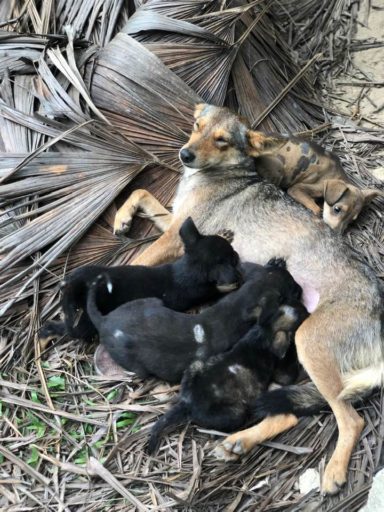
35, 397
56, 382
112, 394
34, 457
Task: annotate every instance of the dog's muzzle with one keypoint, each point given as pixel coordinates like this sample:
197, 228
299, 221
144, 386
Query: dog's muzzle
225, 288
187, 156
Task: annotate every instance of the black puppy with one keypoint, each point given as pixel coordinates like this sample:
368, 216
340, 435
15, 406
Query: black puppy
147, 338
220, 392
209, 267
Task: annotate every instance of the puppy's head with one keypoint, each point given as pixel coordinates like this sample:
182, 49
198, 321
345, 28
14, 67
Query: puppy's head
343, 203
211, 258
279, 279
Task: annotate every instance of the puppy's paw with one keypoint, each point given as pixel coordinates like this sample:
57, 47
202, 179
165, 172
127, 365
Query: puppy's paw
335, 476
227, 234
122, 223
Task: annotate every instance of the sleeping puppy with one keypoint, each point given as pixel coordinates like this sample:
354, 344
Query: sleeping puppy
146, 337
208, 268
219, 393
308, 173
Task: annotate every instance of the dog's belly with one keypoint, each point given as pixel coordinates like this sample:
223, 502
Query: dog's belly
257, 252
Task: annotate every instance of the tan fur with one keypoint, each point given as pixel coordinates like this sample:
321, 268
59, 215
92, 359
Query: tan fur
242, 442
144, 201
343, 333
308, 173
359, 382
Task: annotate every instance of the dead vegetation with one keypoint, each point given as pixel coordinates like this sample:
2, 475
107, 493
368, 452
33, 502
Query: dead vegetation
96, 98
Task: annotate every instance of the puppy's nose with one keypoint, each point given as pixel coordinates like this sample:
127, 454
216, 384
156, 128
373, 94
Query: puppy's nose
186, 156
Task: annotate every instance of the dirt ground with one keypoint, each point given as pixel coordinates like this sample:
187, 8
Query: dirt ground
363, 100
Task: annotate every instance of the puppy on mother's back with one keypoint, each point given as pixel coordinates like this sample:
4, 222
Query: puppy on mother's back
308, 172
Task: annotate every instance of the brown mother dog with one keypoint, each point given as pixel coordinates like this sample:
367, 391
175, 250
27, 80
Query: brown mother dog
341, 344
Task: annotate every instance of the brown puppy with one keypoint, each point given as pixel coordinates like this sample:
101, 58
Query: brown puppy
309, 172
341, 344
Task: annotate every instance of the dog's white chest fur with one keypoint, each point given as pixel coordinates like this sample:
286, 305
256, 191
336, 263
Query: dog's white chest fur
183, 193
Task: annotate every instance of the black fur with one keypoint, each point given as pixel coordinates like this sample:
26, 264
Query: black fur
208, 261
303, 400
147, 338
219, 393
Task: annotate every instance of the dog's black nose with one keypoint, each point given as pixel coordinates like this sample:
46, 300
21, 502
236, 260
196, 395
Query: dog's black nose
186, 156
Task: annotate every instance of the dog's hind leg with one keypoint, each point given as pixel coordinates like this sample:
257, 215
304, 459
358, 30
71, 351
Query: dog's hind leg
319, 361
144, 201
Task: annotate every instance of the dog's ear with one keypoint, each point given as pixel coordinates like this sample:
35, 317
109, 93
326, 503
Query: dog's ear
370, 193
200, 108
256, 141
189, 233
334, 191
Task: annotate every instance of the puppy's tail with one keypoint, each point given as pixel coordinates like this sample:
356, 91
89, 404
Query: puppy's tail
92, 309
176, 415
304, 400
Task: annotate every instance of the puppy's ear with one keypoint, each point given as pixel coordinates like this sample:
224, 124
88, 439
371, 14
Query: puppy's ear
370, 193
334, 191
280, 344
259, 142
200, 108
189, 233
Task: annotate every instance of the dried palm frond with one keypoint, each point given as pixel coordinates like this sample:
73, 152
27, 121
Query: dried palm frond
94, 110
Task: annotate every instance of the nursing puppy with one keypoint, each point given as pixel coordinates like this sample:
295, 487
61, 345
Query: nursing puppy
219, 393
341, 344
208, 268
145, 337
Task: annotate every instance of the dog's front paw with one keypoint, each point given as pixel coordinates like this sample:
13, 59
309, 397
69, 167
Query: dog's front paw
334, 478
123, 221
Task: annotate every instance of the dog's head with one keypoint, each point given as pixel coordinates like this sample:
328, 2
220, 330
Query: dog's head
343, 203
211, 257
220, 139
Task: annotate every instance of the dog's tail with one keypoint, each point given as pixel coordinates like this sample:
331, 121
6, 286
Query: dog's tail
176, 415
361, 382
304, 400
92, 309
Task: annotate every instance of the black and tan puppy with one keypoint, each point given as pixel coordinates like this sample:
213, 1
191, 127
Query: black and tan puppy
208, 268
148, 338
220, 392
